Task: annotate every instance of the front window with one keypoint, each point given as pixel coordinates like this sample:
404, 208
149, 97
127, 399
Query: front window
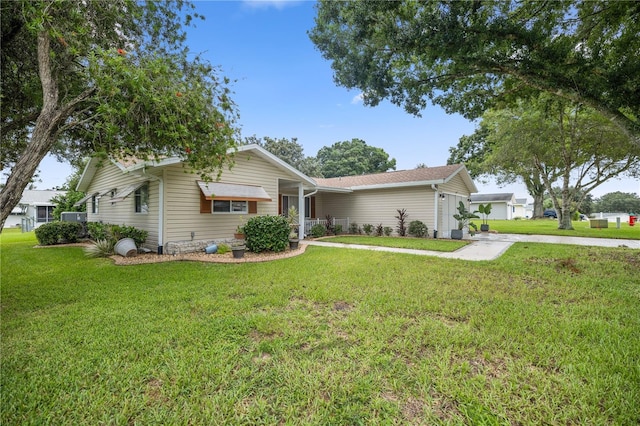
291, 201
142, 199
230, 206
45, 214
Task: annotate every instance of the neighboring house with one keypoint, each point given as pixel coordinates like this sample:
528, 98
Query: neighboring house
503, 205
520, 208
34, 209
177, 206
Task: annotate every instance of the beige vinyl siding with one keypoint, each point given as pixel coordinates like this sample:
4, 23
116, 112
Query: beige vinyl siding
123, 212
455, 191
455, 186
182, 199
380, 206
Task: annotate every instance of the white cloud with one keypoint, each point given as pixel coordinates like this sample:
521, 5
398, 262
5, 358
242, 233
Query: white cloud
357, 98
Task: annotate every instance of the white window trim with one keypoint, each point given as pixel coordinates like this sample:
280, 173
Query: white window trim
245, 211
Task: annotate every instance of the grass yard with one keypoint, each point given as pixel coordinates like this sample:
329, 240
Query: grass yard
334, 336
399, 242
550, 227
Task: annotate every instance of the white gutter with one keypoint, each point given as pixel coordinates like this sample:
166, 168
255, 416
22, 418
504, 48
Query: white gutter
436, 196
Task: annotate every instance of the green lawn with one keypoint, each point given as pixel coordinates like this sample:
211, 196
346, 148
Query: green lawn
334, 336
550, 227
399, 242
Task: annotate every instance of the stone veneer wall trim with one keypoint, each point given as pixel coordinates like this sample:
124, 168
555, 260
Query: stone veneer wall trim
189, 246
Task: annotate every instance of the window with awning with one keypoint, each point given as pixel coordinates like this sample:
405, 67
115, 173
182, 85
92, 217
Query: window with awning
230, 197
232, 191
124, 193
84, 199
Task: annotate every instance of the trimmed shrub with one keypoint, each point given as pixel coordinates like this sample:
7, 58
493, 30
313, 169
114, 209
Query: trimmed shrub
367, 228
354, 228
48, 234
58, 232
387, 231
267, 233
69, 231
337, 230
318, 230
417, 229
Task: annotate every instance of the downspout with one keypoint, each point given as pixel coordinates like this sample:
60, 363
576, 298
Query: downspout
300, 211
436, 196
301, 231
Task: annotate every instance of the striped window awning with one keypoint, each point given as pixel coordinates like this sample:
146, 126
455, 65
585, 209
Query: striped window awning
232, 191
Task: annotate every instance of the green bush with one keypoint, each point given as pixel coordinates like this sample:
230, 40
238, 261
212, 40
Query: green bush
58, 232
98, 231
106, 231
337, 230
69, 231
367, 228
354, 228
387, 231
417, 229
48, 234
379, 230
267, 233
138, 235
318, 230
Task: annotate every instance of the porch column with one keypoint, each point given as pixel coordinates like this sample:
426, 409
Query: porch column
300, 211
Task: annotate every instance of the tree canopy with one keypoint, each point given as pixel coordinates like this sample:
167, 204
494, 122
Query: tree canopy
468, 56
290, 151
87, 77
618, 202
558, 143
354, 157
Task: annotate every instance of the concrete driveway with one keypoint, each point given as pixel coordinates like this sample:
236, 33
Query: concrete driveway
489, 246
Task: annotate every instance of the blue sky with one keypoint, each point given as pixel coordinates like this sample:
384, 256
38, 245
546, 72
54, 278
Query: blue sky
285, 88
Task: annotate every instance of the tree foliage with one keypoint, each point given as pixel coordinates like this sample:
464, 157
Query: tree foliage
468, 56
355, 157
565, 144
618, 202
109, 78
290, 151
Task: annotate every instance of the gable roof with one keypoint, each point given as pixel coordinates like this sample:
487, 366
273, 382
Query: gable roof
39, 197
505, 197
414, 177
132, 164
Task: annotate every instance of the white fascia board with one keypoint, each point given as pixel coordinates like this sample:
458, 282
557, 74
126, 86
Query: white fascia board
334, 189
399, 184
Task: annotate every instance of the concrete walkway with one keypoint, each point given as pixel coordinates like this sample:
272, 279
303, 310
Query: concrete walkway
488, 246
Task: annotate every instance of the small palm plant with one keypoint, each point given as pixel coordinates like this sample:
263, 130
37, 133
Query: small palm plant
485, 211
100, 248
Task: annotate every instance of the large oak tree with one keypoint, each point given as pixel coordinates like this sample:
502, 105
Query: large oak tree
86, 77
570, 149
468, 56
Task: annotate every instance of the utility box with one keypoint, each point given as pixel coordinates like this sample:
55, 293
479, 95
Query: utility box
598, 223
73, 217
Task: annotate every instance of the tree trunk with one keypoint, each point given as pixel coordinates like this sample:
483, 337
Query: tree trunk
43, 136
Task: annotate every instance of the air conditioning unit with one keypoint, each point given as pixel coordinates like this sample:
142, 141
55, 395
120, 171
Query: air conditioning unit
73, 216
